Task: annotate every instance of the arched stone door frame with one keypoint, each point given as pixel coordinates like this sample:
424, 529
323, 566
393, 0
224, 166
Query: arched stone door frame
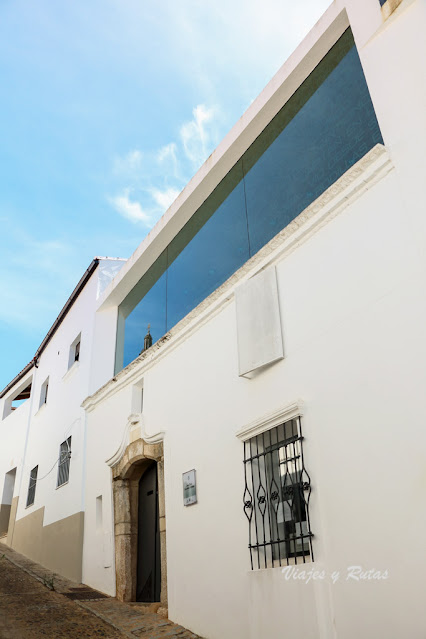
126, 474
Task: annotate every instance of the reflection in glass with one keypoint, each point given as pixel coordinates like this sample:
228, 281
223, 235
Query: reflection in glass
324, 128
210, 255
284, 472
276, 497
331, 131
150, 310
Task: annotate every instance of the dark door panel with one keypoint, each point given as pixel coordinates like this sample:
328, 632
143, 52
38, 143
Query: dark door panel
148, 570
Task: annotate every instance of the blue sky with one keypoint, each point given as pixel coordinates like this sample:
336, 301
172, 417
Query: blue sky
107, 108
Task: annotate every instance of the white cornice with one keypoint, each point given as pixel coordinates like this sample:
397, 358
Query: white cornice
375, 165
266, 422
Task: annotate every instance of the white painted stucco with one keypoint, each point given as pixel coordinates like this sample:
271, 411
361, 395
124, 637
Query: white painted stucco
350, 278
13, 434
31, 435
353, 321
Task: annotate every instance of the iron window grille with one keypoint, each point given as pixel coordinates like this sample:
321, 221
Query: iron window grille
64, 462
32, 486
276, 497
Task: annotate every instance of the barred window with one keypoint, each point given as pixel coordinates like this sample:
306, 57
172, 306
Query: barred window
32, 486
64, 462
276, 497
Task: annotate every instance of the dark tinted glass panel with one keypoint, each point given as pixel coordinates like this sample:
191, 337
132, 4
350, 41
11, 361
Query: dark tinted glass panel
150, 310
326, 126
207, 250
329, 132
382, 2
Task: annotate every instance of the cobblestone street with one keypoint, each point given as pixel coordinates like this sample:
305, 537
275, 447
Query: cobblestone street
30, 609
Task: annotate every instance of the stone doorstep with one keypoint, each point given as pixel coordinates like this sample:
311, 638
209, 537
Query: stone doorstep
147, 620
144, 607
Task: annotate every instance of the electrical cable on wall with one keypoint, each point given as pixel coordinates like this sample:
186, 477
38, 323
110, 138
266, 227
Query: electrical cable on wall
44, 476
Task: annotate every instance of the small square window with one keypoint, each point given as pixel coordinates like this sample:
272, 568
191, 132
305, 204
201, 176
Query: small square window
64, 462
43, 392
32, 486
276, 497
74, 354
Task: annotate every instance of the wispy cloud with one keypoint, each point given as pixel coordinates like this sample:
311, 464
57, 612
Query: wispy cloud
131, 210
128, 165
167, 152
144, 195
167, 159
164, 198
197, 139
147, 179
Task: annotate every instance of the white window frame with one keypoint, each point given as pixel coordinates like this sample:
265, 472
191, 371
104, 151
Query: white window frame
44, 392
75, 350
277, 490
32, 485
64, 463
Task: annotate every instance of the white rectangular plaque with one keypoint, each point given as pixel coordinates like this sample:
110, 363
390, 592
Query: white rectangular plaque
259, 331
189, 488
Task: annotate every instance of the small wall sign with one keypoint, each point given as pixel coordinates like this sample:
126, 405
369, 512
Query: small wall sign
189, 488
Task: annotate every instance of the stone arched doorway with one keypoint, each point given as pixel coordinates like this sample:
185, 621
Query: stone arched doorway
126, 474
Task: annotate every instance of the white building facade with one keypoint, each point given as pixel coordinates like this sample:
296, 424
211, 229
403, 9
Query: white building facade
42, 449
258, 469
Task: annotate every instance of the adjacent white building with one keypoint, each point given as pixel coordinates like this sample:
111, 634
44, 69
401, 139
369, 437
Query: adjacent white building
42, 452
257, 470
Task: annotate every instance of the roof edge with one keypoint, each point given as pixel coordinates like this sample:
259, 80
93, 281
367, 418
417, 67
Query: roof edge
68, 304
58, 321
16, 379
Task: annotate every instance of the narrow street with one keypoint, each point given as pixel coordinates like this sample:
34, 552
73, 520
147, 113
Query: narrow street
30, 609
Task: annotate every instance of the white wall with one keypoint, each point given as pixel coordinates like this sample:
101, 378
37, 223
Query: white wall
353, 326
353, 316
13, 431
103, 439
32, 434
61, 416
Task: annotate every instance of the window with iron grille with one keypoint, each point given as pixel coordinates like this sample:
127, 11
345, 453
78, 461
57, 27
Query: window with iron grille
64, 462
32, 486
276, 497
